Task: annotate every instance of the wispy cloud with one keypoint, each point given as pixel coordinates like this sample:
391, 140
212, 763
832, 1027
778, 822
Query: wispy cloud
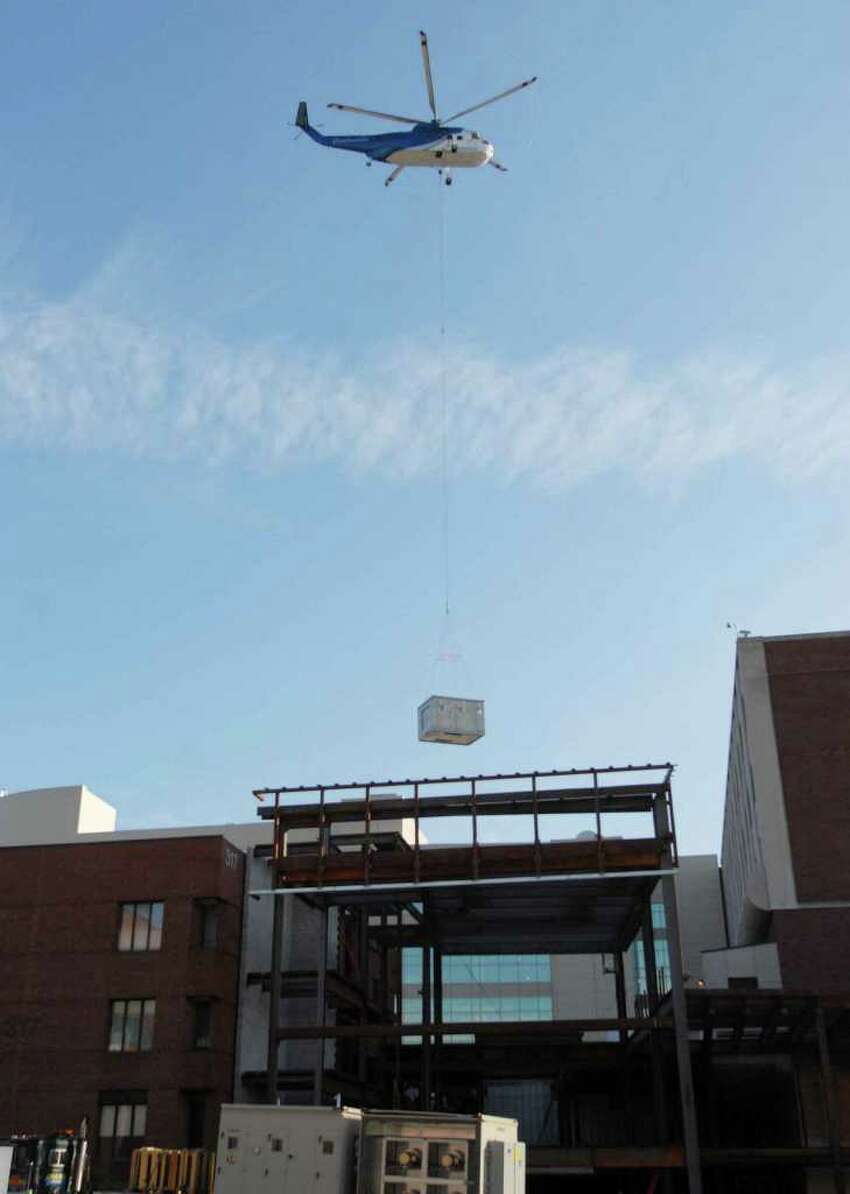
77, 378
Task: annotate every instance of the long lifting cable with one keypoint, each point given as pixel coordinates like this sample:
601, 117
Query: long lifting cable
444, 406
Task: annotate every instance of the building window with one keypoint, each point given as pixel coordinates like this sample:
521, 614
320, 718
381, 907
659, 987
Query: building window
481, 988
131, 1025
140, 926
122, 1127
206, 923
201, 1024
744, 983
195, 1102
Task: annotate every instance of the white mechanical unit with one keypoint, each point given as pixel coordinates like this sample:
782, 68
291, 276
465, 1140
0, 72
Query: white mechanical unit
279, 1149
428, 1153
451, 719
6, 1152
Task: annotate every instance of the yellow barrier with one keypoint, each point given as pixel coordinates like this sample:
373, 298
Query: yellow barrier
172, 1170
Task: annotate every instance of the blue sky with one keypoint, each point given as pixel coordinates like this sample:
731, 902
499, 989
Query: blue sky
219, 397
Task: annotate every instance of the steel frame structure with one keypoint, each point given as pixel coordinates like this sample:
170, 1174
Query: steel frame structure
563, 896
592, 895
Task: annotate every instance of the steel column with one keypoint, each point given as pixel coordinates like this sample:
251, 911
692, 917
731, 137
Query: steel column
830, 1105
438, 1016
399, 1017
321, 1000
274, 999
661, 820
620, 985
650, 966
363, 966
425, 1092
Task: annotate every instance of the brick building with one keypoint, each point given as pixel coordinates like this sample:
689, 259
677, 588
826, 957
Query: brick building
119, 972
786, 836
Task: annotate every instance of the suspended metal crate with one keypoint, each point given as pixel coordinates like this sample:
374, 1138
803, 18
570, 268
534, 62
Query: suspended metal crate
451, 719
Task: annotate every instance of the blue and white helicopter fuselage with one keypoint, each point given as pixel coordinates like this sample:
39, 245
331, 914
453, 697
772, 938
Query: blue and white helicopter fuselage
426, 144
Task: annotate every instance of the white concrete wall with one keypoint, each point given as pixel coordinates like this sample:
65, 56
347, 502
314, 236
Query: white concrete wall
746, 961
756, 857
700, 902
583, 987
48, 816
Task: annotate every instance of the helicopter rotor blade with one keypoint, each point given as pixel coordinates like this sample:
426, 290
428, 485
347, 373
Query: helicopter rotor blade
378, 115
426, 62
492, 100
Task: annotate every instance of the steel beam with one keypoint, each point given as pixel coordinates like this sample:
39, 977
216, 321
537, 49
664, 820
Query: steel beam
517, 1028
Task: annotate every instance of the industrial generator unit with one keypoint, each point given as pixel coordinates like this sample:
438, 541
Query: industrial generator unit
329, 1150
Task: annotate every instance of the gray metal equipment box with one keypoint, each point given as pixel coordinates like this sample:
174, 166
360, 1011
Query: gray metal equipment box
451, 719
420, 1152
6, 1152
283, 1149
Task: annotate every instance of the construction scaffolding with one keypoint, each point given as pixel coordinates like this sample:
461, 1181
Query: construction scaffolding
358, 853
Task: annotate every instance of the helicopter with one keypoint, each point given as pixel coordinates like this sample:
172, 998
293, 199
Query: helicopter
436, 143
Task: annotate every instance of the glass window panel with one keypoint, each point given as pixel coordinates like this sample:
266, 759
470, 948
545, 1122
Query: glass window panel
107, 1120
209, 926
140, 1119
202, 1025
116, 1027
132, 1025
659, 920
124, 1120
125, 930
155, 940
142, 926
148, 1014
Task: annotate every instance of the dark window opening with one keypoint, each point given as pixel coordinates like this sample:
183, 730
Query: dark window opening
206, 923
201, 1024
140, 926
195, 1102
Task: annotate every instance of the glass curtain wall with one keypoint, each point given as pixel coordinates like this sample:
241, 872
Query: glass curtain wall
483, 988
662, 954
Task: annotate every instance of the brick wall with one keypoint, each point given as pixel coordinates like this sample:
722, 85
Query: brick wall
810, 694
814, 949
60, 968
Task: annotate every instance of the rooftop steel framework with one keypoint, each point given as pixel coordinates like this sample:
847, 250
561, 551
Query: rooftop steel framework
589, 895
580, 895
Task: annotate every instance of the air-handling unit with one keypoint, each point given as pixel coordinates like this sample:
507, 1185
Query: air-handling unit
454, 720
420, 1152
276, 1149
